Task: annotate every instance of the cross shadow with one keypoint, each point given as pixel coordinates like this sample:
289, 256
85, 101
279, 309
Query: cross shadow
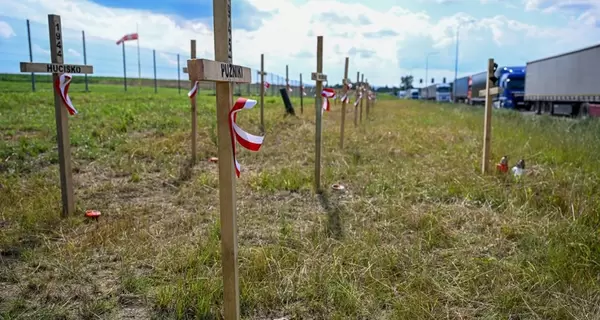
185, 171
333, 228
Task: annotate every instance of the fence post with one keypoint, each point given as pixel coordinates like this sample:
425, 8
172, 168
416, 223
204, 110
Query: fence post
30, 56
84, 59
124, 67
178, 75
154, 62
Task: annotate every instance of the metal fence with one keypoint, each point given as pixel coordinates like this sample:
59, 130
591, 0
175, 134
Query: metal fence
155, 69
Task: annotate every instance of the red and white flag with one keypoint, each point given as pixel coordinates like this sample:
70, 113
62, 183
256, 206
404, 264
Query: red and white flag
194, 90
327, 93
128, 37
62, 86
245, 139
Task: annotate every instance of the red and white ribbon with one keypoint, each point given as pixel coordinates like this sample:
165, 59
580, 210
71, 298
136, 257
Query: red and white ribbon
303, 92
267, 85
290, 89
327, 93
358, 99
194, 90
245, 139
345, 98
62, 86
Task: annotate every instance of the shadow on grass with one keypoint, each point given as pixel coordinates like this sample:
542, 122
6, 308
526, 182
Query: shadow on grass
333, 228
185, 170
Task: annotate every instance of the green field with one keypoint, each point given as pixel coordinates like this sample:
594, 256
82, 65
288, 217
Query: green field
419, 233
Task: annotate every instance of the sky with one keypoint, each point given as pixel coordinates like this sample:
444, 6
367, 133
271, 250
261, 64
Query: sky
384, 39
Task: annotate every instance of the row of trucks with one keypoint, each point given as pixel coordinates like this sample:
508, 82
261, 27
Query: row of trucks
440, 92
564, 84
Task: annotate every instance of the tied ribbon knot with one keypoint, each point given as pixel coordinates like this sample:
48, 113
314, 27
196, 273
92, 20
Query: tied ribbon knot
62, 86
327, 93
347, 86
245, 139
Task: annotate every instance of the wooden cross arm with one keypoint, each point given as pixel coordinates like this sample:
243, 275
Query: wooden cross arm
216, 71
493, 91
318, 76
56, 68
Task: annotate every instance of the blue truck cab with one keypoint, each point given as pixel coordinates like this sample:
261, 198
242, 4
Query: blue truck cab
414, 94
511, 81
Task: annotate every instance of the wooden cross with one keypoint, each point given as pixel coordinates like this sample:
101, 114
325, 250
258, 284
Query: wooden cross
357, 91
224, 73
368, 96
362, 90
487, 123
194, 106
319, 77
57, 67
344, 93
262, 74
301, 95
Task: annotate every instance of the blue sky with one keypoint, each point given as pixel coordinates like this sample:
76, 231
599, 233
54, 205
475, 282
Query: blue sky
384, 39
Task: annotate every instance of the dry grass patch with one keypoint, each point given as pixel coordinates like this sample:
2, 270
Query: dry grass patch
417, 234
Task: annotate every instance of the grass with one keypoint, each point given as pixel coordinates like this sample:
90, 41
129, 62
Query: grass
419, 233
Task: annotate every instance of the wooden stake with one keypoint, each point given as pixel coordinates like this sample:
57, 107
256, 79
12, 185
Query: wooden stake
357, 90
367, 96
301, 95
194, 109
362, 90
57, 67
262, 93
224, 73
319, 77
287, 80
487, 124
344, 93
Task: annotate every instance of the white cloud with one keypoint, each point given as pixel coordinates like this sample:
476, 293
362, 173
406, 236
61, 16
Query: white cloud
74, 52
168, 58
381, 44
585, 10
37, 49
6, 31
